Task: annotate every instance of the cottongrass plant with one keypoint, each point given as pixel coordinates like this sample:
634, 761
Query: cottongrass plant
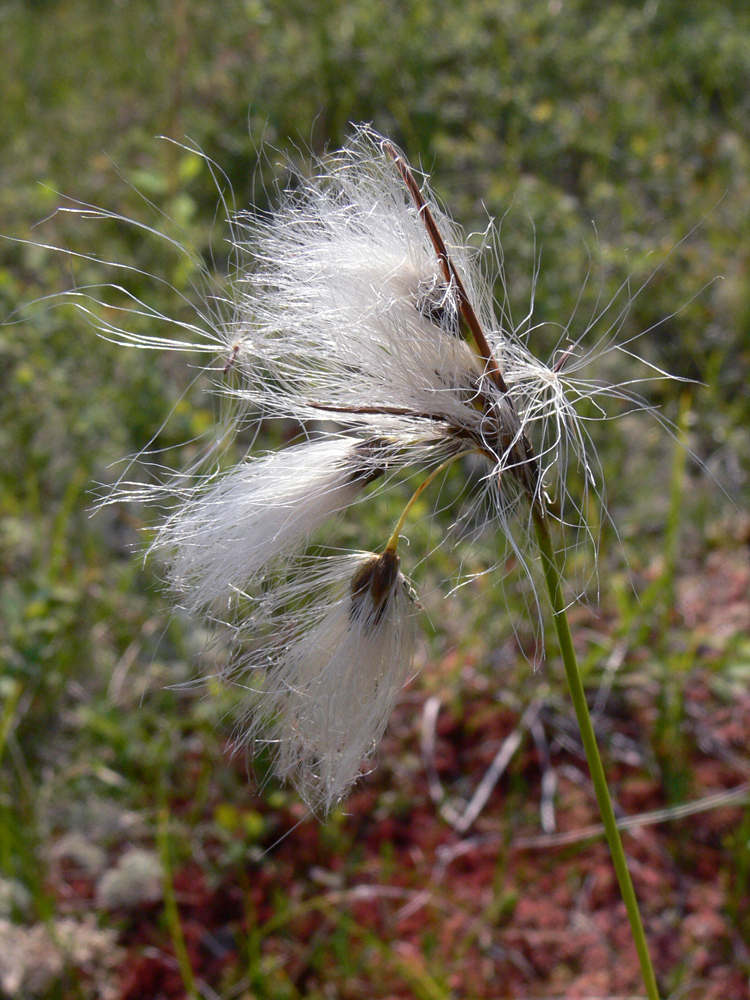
359, 312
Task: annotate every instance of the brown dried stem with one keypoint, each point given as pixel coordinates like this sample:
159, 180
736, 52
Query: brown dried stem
448, 267
527, 471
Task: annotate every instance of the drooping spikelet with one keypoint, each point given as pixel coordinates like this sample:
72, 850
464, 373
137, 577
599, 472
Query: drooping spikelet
323, 679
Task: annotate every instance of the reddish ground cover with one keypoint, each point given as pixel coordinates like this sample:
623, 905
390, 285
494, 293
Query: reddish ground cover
388, 900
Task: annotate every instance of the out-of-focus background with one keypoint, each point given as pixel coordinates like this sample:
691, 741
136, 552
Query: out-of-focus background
611, 143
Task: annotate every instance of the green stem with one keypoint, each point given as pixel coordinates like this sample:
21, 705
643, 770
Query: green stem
171, 912
393, 540
575, 685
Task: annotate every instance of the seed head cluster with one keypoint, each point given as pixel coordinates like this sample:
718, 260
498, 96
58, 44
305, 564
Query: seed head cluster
359, 312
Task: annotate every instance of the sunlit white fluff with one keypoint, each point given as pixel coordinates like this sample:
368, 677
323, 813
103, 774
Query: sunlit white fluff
323, 676
346, 305
231, 529
348, 312
341, 313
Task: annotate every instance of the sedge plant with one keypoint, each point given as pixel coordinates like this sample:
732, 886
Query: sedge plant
359, 312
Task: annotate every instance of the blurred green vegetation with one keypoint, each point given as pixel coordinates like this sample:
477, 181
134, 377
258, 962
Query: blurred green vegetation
611, 143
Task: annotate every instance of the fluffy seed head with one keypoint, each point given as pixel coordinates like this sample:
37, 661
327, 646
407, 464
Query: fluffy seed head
358, 314
324, 684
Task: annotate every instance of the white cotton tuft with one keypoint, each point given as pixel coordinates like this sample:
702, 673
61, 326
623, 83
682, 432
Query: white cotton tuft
223, 539
323, 697
347, 306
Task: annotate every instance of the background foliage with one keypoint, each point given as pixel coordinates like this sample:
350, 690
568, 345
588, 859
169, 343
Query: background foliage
611, 141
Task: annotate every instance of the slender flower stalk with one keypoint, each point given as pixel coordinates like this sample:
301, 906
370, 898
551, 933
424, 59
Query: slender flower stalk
539, 508
553, 582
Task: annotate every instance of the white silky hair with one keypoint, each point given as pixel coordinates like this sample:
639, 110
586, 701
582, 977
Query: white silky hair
230, 531
340, 311
348, 313
346, 306
324, 680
